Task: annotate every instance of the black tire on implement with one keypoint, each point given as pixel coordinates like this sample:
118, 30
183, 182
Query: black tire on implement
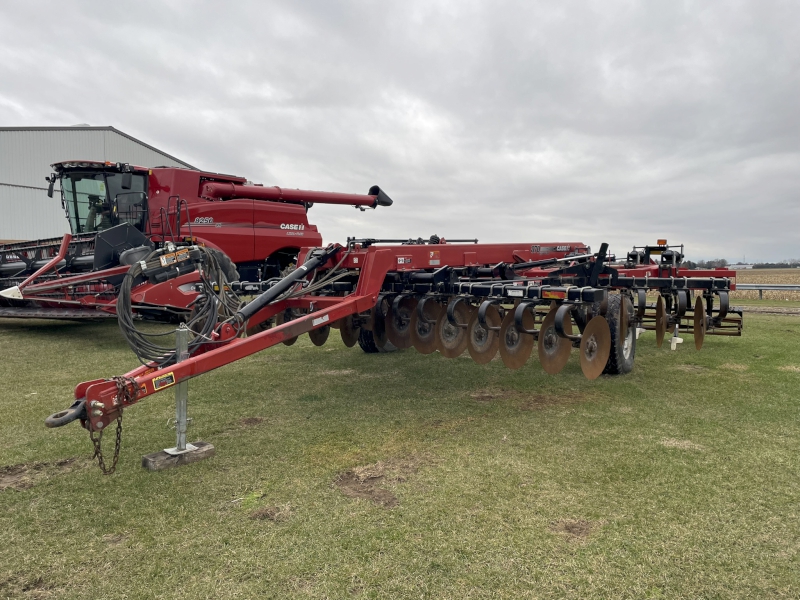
623, 351
366, 339
368, 345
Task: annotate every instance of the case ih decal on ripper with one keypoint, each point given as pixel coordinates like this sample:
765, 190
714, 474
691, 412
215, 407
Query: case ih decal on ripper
481, 298
118, 214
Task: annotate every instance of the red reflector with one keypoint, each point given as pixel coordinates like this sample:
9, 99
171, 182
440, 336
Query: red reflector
554, 294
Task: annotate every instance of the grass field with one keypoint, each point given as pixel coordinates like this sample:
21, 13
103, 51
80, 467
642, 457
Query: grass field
342, 475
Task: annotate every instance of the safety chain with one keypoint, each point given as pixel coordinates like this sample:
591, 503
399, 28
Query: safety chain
127, 391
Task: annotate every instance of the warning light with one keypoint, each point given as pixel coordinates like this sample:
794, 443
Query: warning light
661, 242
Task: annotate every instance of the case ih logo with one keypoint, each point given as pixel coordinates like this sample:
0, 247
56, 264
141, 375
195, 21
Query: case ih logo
293, 226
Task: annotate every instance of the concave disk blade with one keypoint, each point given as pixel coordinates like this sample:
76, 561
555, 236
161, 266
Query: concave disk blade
554, 350
515, 346
482, 343
661, 321
699, 323
349, 331
595, 347
320, 335
398, 323
263, 326
423, 335
451, 341
284, 317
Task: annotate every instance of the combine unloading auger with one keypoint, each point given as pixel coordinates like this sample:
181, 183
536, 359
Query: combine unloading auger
450, 297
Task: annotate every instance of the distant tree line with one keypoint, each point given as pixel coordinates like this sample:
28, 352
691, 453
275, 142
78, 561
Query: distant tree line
721, 262
706, 264
787, 264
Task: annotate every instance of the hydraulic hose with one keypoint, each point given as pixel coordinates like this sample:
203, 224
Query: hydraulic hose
208, 309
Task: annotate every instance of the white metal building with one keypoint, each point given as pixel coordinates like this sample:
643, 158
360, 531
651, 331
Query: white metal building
26, 153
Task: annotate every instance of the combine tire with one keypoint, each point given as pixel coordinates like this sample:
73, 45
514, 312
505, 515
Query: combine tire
623, 351
226, 264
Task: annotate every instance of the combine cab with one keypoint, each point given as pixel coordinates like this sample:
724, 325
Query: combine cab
119, 214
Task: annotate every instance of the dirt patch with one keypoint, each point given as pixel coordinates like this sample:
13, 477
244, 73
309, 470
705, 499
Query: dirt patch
690, 368
382, 375
22, 586
539, 401
529, 401
574, 529
790, 369
680, 444
734, 367
18, 477
252, 421
353, 487
276, 514
306, 584
494, 395
114, 539
365, 481
24, 476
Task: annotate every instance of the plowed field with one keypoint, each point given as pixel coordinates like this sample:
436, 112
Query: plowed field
788, 276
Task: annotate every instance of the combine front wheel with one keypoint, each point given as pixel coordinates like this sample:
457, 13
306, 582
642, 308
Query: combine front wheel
225, 264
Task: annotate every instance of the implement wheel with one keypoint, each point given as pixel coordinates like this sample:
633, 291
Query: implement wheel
367, 342
623, 339
375, 340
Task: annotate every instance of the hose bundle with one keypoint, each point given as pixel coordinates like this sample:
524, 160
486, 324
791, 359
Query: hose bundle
215, 303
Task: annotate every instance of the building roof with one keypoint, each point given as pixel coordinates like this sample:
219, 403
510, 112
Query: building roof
99, 128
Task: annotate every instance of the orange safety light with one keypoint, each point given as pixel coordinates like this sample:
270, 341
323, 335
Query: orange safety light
661, 242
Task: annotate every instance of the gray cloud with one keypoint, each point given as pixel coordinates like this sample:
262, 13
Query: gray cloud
531, 121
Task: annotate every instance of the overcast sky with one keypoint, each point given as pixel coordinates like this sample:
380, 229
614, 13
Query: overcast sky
508, 121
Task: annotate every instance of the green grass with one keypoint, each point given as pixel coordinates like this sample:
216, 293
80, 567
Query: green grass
767, 302
679, 480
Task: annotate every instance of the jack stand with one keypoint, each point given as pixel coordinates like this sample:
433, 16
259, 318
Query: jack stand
182, 453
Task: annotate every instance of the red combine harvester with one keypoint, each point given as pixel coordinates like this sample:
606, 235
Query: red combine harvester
432, 295
119, 214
